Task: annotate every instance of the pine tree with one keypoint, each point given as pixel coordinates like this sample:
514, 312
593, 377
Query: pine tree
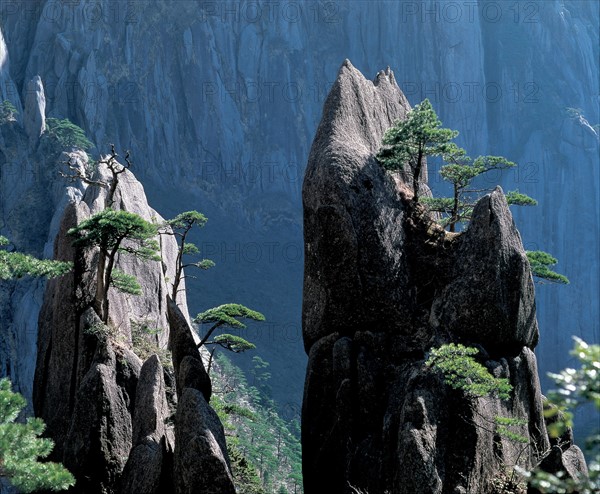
411, 140
227, 316
21, 448
67, 134
421, 135
8, 111
541, 262
113, 232
180, 227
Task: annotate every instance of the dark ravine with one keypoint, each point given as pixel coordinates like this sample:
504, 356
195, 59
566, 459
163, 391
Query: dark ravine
383, 284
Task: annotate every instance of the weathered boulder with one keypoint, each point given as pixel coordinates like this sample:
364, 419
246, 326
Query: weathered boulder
148, 467
201, 463
384, 284
99, 439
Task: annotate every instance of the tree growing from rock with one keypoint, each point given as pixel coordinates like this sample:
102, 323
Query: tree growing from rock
227, 316
67, 134
180, 227
461, 371
114, 232
411, 140
460, 172
76, 172
541, 263
420, 135
8, 112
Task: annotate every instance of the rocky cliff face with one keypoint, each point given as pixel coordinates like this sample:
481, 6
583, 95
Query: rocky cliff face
106, 410
219, 102
383, 285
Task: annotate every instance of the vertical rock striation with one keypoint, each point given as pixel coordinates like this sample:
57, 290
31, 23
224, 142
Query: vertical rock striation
383, 284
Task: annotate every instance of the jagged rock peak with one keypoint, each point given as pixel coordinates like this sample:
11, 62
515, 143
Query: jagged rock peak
383, 284
353, 212
362, 107
491, 298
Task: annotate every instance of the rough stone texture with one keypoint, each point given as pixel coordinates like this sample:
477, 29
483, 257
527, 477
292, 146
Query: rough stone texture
189, 368
570, 460
150, 458
99, 439
491, 298
106, 413
201, 463
353, 236
142, 74
382, 286
34, 120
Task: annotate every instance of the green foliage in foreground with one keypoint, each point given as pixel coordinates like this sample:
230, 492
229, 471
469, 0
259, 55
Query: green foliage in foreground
17, 265
541, 262
21, 448
461, 371
264, 448
67, 134
576, 387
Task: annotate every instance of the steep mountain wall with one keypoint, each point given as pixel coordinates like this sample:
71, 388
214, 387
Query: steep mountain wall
218, 102
384, 284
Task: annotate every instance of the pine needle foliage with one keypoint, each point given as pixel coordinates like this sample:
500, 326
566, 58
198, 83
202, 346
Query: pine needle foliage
410, 141
461, 371
8, 111
229, 315
67, 134
180, 227
22, 448
264, 448
18, 265
125, 283
541, 263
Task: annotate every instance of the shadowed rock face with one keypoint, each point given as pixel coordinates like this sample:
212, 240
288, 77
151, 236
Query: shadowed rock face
383, 284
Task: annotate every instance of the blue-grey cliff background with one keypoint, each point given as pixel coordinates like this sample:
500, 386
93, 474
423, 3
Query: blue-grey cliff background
219, 101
